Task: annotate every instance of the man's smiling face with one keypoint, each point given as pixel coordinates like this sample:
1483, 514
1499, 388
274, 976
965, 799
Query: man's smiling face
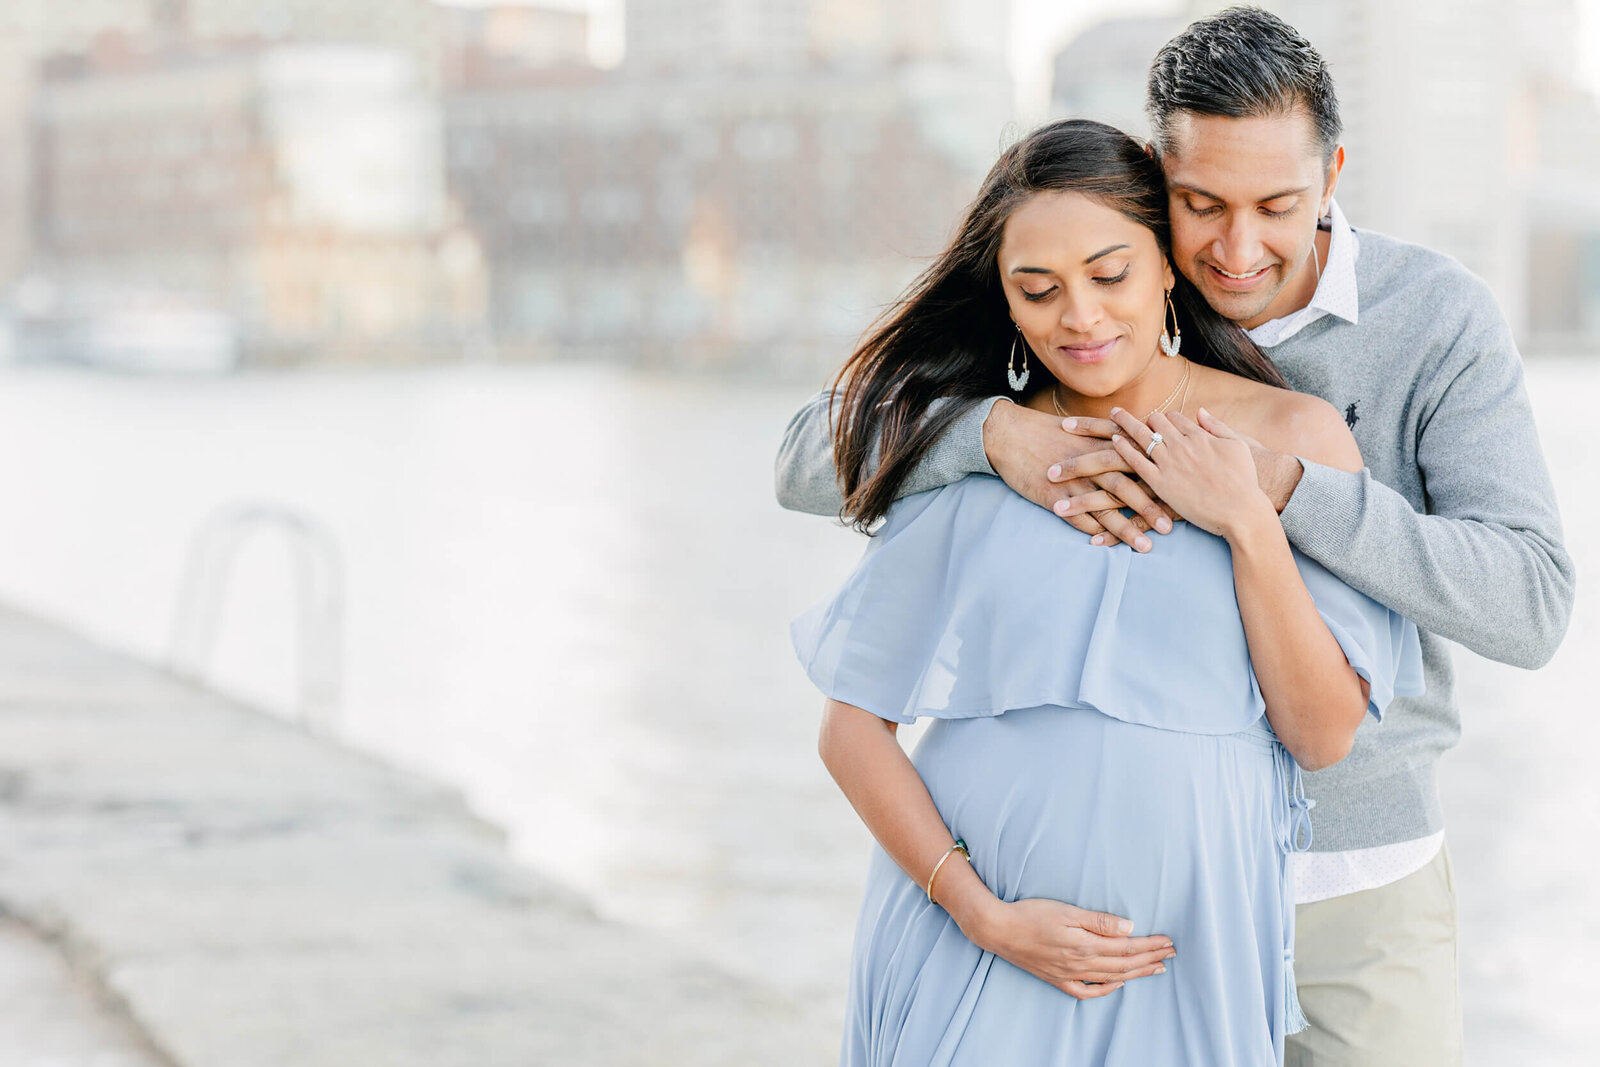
1245, 195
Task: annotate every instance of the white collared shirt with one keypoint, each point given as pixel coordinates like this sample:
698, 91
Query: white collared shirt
1324, 875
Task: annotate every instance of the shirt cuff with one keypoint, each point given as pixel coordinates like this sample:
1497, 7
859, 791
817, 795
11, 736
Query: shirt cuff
1324, 510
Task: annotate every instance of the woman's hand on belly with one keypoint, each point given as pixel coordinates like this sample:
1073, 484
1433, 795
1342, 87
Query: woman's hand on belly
1082, 953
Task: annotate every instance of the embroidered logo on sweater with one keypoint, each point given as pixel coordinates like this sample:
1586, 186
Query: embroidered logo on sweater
1350, 416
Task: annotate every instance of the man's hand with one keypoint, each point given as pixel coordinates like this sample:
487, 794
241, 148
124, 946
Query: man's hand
1277, 473
1069, 467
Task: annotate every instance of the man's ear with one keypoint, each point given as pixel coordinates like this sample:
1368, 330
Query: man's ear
1335, 168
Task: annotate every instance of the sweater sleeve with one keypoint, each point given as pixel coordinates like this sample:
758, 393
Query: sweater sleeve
806, 480
1484, 564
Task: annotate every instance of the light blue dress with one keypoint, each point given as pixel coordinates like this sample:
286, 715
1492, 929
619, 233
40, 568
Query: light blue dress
1099, 739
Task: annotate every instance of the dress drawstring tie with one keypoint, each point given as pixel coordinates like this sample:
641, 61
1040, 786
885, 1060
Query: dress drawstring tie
1294, 835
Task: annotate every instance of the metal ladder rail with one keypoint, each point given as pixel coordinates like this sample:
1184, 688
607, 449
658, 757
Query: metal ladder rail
318, 569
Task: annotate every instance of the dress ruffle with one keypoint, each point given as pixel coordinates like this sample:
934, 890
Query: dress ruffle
970, 601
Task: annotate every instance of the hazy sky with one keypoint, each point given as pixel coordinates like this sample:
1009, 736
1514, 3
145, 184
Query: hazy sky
1040, 27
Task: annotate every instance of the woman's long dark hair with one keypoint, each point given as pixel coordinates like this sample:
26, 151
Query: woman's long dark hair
950, 334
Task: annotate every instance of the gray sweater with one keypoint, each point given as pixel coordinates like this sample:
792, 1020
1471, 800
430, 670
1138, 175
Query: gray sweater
1453, 522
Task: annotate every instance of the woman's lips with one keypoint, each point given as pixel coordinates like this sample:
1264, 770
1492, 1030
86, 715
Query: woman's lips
1236, 284
1093, 353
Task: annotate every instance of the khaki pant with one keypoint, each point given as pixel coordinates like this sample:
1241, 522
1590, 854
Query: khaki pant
1377, 975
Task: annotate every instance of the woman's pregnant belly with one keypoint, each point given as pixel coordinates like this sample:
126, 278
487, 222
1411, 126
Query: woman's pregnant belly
1153, 825
1174, 831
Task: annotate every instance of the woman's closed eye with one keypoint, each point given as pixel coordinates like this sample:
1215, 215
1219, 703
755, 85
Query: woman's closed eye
1044, 294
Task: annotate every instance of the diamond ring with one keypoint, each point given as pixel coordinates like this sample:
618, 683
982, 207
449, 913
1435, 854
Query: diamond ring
1155, 439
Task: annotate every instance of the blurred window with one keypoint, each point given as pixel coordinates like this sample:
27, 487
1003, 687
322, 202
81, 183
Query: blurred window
612, 206
767, 139
473, 150
612, 311
846, 135
835, 176
674, 202
700, 141
678, 311
537, 207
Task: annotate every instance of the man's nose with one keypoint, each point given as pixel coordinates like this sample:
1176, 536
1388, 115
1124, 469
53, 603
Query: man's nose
1237, 248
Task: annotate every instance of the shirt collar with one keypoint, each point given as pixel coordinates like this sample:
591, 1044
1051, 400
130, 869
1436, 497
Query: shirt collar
1336, 289
1336, 286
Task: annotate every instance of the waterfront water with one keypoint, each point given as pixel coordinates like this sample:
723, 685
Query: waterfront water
569, 592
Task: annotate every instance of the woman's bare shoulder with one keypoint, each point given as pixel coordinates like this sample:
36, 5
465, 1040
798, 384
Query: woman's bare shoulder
1296, 424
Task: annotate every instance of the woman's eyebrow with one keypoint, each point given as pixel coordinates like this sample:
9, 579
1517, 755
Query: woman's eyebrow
1044, 270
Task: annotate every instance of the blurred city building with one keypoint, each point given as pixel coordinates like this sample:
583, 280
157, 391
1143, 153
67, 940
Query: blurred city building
16, 92
499, 40
274, 203
50, 27
396, 179
210, 182
409, 26
16, 85
46, 27
1562, 204
1100, 74
1467, 133
1465, 128
671, 36
237, 181
743, 192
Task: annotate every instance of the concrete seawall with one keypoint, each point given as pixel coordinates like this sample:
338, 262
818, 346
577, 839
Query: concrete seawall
232, 892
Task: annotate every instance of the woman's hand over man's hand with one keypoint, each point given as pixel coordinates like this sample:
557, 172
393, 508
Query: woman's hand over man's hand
1203, 469
1068, 466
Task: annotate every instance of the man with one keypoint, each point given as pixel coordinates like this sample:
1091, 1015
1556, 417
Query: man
1453, 523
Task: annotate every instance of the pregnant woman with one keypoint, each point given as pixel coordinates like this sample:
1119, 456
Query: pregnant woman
1114, 732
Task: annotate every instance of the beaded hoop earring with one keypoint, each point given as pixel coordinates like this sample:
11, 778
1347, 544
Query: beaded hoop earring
1170, 344
1018, 381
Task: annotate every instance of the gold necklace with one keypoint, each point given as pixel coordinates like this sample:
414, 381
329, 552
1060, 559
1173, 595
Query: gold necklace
1181, 387
1184, 402
1182, 384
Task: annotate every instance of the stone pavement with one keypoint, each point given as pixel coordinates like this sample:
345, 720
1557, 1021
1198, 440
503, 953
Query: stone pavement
52, 1017
223, 891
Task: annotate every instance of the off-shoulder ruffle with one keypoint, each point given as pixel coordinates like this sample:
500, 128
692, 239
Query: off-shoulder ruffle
971, 601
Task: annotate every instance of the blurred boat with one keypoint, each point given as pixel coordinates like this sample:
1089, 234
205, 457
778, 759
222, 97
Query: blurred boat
140, 336
162, 341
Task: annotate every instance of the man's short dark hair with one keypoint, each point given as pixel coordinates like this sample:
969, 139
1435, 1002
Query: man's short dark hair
1242, 63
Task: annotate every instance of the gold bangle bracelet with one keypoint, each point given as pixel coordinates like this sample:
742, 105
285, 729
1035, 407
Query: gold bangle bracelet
961, 847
